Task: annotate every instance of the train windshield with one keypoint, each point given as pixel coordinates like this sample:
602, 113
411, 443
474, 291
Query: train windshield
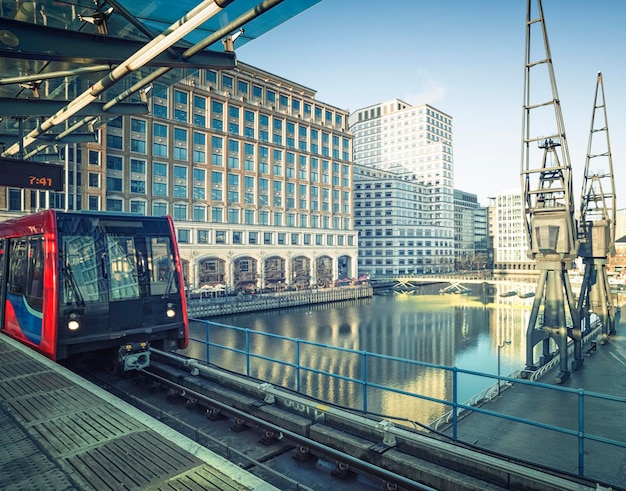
117, 267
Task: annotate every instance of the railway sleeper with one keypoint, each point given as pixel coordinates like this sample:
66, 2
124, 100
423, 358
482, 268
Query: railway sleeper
342, 471
419, 470
270, 437
214, 414
239, 425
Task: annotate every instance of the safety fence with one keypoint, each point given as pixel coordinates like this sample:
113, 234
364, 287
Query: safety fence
304, 366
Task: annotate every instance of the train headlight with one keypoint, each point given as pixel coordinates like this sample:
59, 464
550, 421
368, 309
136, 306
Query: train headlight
170, 312
73, 324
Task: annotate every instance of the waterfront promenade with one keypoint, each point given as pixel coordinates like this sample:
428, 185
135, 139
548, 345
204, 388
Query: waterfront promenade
202, 307
602, 373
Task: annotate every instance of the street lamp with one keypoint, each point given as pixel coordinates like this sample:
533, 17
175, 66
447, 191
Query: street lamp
500, 346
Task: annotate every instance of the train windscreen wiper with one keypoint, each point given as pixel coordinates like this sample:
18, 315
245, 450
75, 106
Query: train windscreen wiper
70, 280
170, 282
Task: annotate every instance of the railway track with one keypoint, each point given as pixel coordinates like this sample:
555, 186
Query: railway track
312, 449
277, 455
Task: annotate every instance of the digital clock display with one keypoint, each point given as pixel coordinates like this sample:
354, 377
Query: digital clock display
26, 174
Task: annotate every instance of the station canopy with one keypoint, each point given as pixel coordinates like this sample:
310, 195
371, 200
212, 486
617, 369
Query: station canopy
68, 66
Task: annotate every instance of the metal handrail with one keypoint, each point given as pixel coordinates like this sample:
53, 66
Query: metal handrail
455, 408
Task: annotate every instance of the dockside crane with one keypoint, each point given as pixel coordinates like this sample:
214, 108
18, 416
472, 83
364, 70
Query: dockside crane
551, 231
597, 221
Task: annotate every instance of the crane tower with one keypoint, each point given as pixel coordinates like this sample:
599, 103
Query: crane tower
551, 231
597, 221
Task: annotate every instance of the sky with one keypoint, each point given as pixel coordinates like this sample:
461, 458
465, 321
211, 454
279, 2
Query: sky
466, 58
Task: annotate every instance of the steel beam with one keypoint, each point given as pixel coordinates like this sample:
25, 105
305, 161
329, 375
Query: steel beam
19, 108
50, 44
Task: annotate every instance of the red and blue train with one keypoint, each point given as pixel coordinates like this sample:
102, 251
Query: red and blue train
75, 283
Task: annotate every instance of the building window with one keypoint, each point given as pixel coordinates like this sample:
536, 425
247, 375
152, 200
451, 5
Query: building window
264, 217
94, 157
278, 219
114, 162
94, 203
180, 211
159, 169
227, 82
183, 236
94, 180
203, 236
199, 213
114, 204
114, 184
114, 141
233, 215
138, 207
138, 166
159, 110
15, 200
159, 209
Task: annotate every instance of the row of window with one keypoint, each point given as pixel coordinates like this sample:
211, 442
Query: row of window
179, 211
410, 252
225, 82
161, 145
115, 166
254, 237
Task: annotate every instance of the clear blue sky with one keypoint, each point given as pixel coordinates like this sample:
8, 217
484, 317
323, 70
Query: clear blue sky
465, 57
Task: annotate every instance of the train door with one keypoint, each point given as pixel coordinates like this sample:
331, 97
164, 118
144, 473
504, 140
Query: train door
3, 276
124, 275
23, 293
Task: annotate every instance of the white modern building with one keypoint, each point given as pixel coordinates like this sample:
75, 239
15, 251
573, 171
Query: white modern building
412, 144
507, 226
395, 237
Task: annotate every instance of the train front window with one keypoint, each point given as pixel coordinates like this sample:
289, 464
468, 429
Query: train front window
161, 268
123, 277
80, 269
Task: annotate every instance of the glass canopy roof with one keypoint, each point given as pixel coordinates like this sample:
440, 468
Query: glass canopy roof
65, 63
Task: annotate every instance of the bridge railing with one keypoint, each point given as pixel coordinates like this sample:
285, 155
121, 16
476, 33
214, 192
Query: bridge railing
245, 348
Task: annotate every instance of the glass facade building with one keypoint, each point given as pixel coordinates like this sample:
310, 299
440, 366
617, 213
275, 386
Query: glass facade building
411, 145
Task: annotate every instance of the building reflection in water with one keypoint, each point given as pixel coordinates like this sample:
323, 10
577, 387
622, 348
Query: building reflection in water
461, 331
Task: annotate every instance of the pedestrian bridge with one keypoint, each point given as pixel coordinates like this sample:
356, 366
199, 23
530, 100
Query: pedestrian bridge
449, 283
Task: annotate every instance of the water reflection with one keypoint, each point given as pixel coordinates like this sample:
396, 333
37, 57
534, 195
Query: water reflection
461, 331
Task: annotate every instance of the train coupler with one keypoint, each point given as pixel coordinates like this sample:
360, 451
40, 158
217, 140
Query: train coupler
134, 356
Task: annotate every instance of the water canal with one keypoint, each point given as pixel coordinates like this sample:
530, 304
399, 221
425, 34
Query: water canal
462, 331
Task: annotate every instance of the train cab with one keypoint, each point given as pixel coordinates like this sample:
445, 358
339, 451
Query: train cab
75, 283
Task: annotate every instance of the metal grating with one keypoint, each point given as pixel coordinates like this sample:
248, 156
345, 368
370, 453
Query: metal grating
32, 473
46, 405
131, 462
35, 383
76, 432
13, 366
199, 479
23, 466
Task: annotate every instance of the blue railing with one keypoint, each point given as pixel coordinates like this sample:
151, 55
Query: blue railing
291, 354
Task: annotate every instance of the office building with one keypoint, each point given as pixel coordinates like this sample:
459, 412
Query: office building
411, 145
507, 226
470, 232
256, 173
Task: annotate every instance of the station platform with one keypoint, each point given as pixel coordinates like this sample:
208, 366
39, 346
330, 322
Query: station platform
60, 432
602, 372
